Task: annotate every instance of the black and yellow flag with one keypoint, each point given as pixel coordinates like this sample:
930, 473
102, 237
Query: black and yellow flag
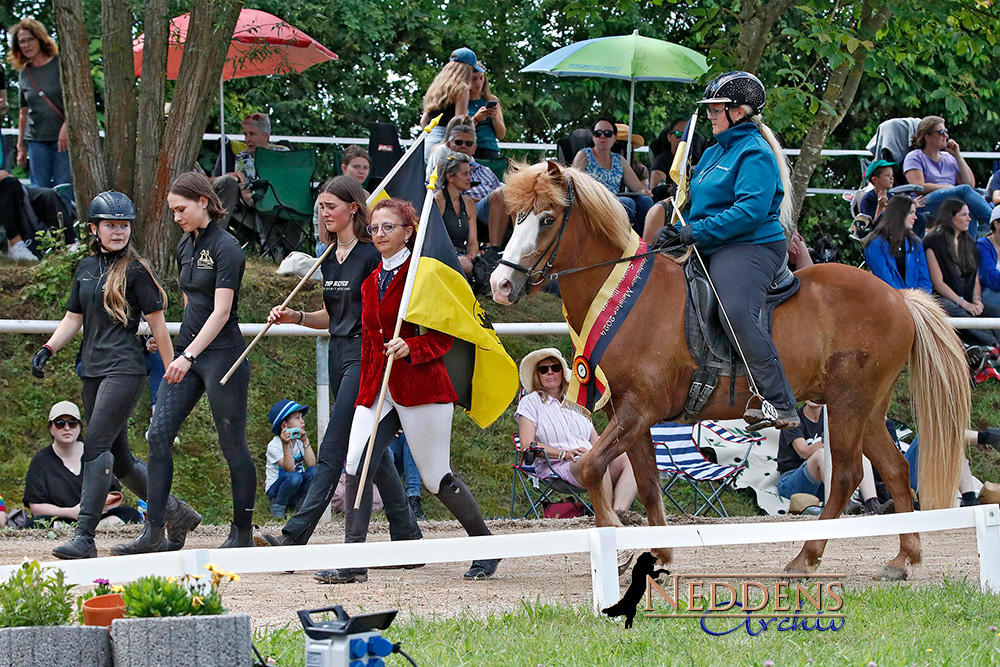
680, 169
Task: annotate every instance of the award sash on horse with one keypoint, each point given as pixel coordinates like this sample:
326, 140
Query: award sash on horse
588, 386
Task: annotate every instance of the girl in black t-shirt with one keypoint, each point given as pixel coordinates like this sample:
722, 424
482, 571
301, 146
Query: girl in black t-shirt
344, 212
210, 263
953, 262
111, 289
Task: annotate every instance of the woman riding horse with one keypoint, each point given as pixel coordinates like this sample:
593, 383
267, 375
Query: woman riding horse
738, 207
844, 338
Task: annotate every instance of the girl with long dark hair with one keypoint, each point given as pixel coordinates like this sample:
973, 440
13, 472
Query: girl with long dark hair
111, 289
893, 251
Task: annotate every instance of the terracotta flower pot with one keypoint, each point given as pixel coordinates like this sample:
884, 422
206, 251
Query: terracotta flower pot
103, 609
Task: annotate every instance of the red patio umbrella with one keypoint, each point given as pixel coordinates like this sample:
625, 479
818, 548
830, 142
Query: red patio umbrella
262, 44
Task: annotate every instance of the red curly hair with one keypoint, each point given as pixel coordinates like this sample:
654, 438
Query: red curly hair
403, 210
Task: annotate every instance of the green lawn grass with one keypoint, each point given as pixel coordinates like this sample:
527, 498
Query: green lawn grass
948, 624
285, 367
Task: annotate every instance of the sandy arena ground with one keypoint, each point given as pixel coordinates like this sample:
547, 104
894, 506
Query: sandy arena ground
438, 589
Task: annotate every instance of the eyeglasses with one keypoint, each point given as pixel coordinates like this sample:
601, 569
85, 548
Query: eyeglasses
943, 132
545, 369
713, 113
464, 142
606, 133
63, 423
386, 227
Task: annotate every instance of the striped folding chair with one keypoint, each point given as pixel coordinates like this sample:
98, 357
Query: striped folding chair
539, 491
678, 458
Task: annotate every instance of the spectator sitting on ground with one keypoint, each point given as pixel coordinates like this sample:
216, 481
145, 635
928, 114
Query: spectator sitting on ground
54, 482
800, 461
610, 170
875, 200
357, 164
26, 210
953, 262
937, 164
234, 187
563, 434
893, 251
966, 483
487, 115
989, 265
291, 462
457, 210
448, 95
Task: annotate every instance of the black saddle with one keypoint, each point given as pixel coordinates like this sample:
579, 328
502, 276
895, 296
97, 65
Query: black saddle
706, 334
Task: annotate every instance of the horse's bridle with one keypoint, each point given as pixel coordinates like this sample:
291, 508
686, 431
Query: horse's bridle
534, 276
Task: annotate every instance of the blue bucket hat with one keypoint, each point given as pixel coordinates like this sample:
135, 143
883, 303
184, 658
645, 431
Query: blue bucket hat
280, 411
467, 56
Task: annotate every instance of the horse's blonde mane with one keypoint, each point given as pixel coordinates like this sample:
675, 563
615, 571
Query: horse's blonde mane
534, 188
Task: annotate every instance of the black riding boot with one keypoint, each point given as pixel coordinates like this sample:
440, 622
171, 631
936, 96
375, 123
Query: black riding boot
238, 537
355, 530
454, 495
97, 479
152, 540
181, 518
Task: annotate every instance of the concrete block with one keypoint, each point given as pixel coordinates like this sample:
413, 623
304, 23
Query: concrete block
46, 646
206, 641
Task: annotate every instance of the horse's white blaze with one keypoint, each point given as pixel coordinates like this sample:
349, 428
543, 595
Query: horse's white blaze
522, 242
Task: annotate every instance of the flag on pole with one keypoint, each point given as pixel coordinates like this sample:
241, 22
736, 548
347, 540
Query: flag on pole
482, 373
680, 169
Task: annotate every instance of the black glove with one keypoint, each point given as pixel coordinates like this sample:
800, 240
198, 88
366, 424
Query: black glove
673, 237
38, 363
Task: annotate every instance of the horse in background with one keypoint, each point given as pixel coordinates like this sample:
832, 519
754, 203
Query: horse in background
843, 338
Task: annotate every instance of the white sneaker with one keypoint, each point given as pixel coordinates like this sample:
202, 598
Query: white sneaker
19, 253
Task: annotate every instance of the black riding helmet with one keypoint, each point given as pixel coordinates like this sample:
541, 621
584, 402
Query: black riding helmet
735, 89
111, 205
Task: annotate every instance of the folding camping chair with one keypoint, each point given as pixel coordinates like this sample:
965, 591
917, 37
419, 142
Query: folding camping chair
537, 490
384, 150
284, 200
678, 458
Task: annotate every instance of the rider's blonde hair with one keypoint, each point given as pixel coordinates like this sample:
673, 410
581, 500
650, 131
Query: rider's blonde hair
785, 210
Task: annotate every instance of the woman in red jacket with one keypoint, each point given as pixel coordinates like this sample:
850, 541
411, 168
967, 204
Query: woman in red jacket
420, 398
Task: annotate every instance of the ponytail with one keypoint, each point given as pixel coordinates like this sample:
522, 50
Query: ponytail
785, 212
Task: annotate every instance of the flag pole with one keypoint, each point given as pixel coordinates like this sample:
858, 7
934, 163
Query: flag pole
411, 274
322, 258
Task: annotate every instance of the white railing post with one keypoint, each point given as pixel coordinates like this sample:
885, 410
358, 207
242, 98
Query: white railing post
988, 540
604, 566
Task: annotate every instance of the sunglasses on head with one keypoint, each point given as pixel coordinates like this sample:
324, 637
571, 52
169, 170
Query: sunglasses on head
606, 133
464, 142
545, 369
63, 423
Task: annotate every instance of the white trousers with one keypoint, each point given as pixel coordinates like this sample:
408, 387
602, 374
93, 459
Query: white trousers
428, 433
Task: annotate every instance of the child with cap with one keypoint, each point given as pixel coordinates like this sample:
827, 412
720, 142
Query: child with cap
873, 203
291, 462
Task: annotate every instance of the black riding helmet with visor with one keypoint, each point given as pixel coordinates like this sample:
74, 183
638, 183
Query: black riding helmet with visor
109, 205
735, 89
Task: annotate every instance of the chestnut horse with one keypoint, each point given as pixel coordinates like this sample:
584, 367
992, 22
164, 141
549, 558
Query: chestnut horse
843, 338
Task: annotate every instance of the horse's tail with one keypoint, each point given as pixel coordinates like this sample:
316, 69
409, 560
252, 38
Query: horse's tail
939, 388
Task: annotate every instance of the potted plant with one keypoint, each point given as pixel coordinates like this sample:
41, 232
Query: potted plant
101, 605
178, 622
35, 611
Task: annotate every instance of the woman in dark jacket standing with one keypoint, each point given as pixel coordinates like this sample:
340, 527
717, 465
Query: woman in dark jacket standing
210, 263
738, 217
111, 289
344, 213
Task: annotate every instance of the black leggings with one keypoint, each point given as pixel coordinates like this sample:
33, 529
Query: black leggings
345, 380
44, 202
108, 403
742, 273
174, 403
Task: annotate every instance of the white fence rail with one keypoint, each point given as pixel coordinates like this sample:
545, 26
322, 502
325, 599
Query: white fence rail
601, 543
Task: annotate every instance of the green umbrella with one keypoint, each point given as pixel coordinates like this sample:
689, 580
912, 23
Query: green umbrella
630, 57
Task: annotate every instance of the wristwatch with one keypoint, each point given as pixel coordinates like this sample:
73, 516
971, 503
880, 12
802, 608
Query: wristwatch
187, 355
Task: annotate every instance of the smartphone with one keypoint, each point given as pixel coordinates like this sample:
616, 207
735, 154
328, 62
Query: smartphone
491, 104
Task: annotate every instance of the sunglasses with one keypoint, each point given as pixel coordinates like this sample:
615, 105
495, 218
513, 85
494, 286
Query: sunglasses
942, 132
63, 423
606, 133
545, 369
678, 133
464, 142
386, 227
712, 114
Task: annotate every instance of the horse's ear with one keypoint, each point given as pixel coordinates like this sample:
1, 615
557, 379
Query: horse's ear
554, 168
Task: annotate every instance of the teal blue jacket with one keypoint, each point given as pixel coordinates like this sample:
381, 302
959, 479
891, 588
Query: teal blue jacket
736, 191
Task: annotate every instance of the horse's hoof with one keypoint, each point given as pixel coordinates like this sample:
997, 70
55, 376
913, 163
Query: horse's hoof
891, 573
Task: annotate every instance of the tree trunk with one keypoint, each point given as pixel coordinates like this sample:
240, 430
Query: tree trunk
841, 89
209, 34
86, 159
757, 19
119, 94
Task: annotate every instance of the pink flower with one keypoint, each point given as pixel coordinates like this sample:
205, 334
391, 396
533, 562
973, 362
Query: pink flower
992, 628
872, 664
769, 663
101, 582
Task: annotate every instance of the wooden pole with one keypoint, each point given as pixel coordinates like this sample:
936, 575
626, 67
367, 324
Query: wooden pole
319, 260
404, 302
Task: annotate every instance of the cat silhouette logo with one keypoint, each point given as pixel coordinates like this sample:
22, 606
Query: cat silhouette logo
205, 261
627, 606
